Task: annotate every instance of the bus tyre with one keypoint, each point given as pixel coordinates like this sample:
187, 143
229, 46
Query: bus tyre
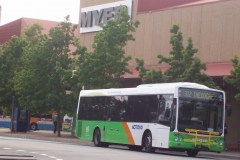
97, 138
33, 126
192, 153
147, 143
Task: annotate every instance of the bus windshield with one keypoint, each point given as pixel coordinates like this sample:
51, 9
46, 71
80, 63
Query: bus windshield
200, 110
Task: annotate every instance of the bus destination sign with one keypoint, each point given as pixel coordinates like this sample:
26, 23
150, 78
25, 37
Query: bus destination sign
200, 94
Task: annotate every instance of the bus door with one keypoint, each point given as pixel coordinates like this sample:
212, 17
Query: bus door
166, 120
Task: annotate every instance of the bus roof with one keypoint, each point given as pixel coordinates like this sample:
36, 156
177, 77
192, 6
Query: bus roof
176, 84
144, 89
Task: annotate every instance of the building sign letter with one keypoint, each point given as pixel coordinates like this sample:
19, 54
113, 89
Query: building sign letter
97, 16
92, 17
86, 19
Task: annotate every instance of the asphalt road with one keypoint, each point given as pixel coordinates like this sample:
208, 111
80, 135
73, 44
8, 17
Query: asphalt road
18, 148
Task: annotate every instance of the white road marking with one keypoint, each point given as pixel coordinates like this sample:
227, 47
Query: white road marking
52, 157
34, 152
20, 150
43, 154
33, 140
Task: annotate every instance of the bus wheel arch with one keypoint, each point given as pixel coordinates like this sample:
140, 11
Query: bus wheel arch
147, 141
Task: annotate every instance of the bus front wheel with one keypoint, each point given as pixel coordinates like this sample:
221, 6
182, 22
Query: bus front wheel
192, 153
97, 138
147, 142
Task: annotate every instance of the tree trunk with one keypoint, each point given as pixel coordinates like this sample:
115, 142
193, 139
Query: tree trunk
73, 125
59, 123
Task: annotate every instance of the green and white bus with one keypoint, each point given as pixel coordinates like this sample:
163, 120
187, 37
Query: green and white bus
175, 116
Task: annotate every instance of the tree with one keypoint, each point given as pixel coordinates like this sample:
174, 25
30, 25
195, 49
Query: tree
28, 80
10, 54
47, 69
184, 66
104, 67
234, 80
148, 75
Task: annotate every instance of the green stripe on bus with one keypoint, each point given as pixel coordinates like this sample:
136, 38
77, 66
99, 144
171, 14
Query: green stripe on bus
111, 132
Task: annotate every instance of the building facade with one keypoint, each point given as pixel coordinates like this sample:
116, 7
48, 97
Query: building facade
16, 28
213, 26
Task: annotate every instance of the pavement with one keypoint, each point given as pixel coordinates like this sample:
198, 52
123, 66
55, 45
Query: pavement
67, 137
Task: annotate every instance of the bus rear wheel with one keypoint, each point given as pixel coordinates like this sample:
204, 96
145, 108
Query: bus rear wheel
192, 153
147, 142
97, 138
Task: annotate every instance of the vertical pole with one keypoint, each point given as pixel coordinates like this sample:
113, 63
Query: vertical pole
58, 122
13, 99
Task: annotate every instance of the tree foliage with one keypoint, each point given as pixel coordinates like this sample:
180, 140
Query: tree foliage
10, 54
47, 68
183, 64
148, 75
28, 79
104, 67
234, 80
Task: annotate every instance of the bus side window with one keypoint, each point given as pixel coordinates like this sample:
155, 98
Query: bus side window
85, 109
173, 118
115, 108
151, 108
161, 109
123, 109
81, 108
139, 109
130, 109
99, 108
89, 108
165, 109
108, 106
